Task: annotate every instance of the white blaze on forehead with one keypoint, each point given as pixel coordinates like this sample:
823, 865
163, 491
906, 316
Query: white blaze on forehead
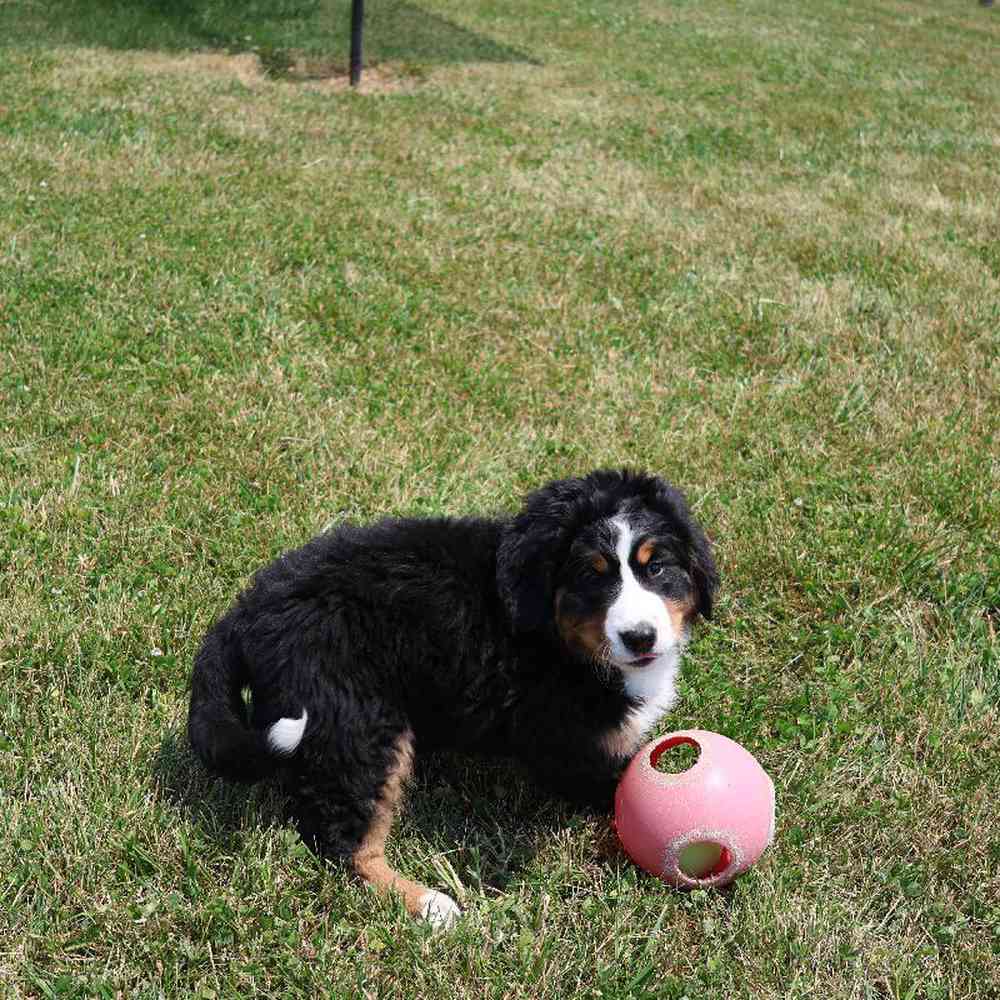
635, 606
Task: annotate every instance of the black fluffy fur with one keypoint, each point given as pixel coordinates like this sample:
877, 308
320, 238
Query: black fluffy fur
443, 627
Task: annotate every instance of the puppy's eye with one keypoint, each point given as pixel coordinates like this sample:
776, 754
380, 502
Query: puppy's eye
663, 567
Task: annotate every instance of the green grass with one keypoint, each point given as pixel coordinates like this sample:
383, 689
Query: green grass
751, 246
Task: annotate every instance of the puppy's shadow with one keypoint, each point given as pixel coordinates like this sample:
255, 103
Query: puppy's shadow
482, 815
223, 812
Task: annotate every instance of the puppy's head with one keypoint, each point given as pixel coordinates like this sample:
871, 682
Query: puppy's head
612, 563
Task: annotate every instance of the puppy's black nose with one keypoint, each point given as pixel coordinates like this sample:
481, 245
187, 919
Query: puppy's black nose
640, 639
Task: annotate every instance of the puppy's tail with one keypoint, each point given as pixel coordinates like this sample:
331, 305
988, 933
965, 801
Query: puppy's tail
218, 728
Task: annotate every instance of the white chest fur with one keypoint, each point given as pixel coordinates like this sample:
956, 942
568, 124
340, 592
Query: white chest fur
655, 689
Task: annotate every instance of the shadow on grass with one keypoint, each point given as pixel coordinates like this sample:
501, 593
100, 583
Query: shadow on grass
481, 814
279, 30
219, 809
484, 815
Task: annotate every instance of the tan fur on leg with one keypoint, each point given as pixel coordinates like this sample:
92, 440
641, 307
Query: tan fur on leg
369, 859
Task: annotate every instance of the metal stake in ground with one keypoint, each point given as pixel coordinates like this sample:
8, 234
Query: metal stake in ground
357, 23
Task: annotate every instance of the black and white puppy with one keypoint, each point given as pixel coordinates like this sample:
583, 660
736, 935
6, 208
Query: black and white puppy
553, 636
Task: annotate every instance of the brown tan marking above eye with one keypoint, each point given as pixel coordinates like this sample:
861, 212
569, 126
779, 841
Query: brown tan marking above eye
599, 563
645, 553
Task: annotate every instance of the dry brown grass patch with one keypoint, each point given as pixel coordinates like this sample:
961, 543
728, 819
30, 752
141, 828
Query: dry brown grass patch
322, 75
244, 67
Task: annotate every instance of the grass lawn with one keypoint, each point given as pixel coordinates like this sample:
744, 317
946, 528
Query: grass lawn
752, 246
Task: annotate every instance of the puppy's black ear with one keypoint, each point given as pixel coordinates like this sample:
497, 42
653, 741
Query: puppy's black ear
525, 570
671, 504
703, 572
533, 546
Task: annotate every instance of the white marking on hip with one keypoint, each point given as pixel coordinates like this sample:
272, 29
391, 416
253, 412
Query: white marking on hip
286, 734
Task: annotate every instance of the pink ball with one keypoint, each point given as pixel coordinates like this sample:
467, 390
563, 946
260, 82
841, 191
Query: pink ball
703, 826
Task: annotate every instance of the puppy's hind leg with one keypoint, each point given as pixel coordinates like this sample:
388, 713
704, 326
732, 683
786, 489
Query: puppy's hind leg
347, 811
437, 908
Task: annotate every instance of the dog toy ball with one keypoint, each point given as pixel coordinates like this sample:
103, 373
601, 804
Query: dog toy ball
701, 827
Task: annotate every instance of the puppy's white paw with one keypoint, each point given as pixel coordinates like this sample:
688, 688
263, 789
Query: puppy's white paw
439, 910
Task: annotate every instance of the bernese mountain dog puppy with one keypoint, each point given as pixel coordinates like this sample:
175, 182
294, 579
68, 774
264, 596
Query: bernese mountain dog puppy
552, 636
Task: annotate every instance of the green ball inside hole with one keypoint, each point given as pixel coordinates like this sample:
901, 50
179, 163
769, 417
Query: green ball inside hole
701, 858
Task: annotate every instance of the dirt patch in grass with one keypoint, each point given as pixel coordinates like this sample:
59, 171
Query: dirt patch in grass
323, 75
88, 63
255, 71
244, 66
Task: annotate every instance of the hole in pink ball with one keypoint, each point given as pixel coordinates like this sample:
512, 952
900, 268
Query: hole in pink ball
702, 859
675, 755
